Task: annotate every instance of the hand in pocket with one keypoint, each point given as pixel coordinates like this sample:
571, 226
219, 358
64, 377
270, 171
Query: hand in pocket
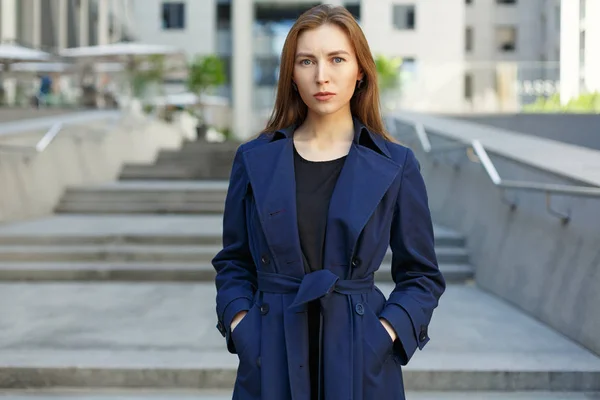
237, 319
390, 330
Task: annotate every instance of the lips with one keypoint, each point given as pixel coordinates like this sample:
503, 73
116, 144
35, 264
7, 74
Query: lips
324, 96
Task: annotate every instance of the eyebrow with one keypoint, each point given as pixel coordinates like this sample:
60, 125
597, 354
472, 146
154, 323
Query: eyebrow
333, 53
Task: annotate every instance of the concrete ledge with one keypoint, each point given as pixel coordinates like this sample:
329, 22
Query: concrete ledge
157, 272
221, 378
90, 149
569, 161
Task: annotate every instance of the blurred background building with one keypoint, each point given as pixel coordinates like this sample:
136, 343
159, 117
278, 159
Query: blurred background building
57, 24
458, 56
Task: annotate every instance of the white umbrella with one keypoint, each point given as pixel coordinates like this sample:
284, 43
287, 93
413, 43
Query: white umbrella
41, 67
10, 53
116, 50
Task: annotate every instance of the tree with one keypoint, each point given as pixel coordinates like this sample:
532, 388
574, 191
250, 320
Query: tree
584, 103
152, 71
388, 73
204, 73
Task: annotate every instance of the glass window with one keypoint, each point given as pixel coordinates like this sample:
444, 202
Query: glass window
173, 15
468, 86
469, 39
266, 71
506, 38
404, 17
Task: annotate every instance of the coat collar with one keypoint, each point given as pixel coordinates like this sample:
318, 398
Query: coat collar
362, 136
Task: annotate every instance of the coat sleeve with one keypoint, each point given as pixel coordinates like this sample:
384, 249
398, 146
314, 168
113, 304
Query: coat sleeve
236, 272
419, 282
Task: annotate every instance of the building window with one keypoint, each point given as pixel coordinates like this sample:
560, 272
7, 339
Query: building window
469, 39
266, 71
506, 39
173, 15
468, 86
404, 17
506, 1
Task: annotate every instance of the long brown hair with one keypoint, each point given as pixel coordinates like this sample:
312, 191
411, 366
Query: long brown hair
290, 109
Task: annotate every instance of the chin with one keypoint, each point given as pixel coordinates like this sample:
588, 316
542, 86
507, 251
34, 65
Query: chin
324, 108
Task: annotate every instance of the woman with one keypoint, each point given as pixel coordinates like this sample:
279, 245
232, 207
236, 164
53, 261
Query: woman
313, 203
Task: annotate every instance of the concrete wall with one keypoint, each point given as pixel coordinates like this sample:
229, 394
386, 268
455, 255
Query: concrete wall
527, 256
31, 186
199, 35
577, 129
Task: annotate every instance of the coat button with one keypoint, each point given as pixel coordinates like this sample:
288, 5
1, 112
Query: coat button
264, 259
423, 334
360, 309
355, 262
264, 309
221, 328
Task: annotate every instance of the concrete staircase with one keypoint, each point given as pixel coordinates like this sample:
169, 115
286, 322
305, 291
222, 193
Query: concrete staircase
147, 247
116, 291
195, 160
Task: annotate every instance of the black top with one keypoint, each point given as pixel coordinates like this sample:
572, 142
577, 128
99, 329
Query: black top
315, 181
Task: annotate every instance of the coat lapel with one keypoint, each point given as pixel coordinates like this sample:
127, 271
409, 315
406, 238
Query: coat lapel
271, 172
363, 181
366, 176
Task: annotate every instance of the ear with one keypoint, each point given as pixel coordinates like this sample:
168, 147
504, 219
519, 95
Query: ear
360, 75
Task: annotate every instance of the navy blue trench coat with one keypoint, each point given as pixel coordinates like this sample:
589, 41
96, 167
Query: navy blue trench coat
379, 200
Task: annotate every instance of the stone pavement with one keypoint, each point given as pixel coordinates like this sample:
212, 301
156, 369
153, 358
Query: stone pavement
162, 335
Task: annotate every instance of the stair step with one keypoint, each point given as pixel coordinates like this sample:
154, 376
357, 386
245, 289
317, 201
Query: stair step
131, 172
151, 271
162, 253
143, 229
184, 239
156, 253
133, 207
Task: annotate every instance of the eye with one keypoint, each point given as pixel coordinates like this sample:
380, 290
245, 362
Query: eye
306, 61
338, 60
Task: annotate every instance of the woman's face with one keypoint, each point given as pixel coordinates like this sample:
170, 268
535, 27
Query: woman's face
325, 69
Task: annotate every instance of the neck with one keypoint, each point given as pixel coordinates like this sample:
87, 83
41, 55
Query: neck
328, 128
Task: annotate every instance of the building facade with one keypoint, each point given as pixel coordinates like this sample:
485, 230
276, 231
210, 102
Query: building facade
52, 25
580, 48
249, 34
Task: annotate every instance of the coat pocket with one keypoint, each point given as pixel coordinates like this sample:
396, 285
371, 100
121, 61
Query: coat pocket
245, 333
378, 343
246, 337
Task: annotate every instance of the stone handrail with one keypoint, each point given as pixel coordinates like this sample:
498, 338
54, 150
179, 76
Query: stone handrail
477, 153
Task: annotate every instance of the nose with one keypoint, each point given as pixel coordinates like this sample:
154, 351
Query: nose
322, 74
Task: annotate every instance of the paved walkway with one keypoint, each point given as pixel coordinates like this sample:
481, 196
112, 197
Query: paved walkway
168, 328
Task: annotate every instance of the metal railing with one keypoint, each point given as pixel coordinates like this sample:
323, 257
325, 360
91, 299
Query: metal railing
41, 144
51, 134
476, 152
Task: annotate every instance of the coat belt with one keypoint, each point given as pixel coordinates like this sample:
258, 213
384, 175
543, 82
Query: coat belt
312, 286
